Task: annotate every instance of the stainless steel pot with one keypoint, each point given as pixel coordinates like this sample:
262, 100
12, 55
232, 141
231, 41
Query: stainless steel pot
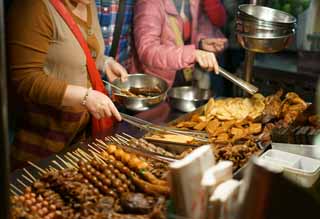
139, 81
243, 17
266, 14
264, 45
260, 31
188, 99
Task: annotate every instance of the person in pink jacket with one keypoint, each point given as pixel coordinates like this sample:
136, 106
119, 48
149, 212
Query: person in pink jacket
158, 25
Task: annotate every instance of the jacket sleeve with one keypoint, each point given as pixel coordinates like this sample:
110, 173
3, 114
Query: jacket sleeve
28, 39
148, 22
215, 11
206, 29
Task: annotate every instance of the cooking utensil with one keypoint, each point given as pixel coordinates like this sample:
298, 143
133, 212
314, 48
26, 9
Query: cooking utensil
152, 127
140, 81
246, 86
187, 99
140, 151
241, 16
260, 31
266, 14
264, 45
112, 85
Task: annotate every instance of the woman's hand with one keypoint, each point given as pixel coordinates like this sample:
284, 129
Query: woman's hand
207, 60
215, 45
114, 70
100, 105
97, 103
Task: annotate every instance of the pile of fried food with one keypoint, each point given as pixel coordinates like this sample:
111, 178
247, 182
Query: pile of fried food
236, 125
142, 92
115, 185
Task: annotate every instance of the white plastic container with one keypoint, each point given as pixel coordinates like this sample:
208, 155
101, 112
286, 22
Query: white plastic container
303, 170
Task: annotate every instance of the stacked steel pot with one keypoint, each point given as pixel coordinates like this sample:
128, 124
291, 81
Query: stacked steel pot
262, 29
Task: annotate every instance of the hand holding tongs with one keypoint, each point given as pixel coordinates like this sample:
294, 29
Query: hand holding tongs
246, 86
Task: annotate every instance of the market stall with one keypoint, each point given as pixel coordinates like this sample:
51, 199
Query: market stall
219, 160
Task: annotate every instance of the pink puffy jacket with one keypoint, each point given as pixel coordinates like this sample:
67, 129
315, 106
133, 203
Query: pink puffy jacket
155, 41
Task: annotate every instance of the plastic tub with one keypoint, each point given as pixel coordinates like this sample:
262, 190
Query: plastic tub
303, 170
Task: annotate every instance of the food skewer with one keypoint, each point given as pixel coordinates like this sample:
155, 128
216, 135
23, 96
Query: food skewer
52, 168
120, 137
77, 153
94, 149
73, 157
75, 165
15, 188
85, 154
64, 162
29, 174
79, 157
58, 165
22, 183
26, 178
129, 136
97, 156
37, 167
13, 192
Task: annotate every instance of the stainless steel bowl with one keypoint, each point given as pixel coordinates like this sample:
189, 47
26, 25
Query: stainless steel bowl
243, 17
264, 45
139, 81
261, 31
266, 14
188, 99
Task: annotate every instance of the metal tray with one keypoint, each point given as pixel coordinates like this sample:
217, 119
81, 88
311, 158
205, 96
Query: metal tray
179, 148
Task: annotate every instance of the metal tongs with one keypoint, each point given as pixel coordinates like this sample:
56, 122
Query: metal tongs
142, 124
141, 152
246, 86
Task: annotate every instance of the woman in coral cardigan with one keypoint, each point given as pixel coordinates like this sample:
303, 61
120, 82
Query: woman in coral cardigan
173, 35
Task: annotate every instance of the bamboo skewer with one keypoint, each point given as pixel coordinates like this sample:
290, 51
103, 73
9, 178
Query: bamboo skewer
73, 157
123, 142
22, 183
98, 146
65, 163
94, 149
77, 153
37, 167
13, 192
26, 178
85, 154
124, 138
129, 136
71, 161
52, 168
17, 189
29, 174
97, 156
58, 165
103, 148
101, 142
